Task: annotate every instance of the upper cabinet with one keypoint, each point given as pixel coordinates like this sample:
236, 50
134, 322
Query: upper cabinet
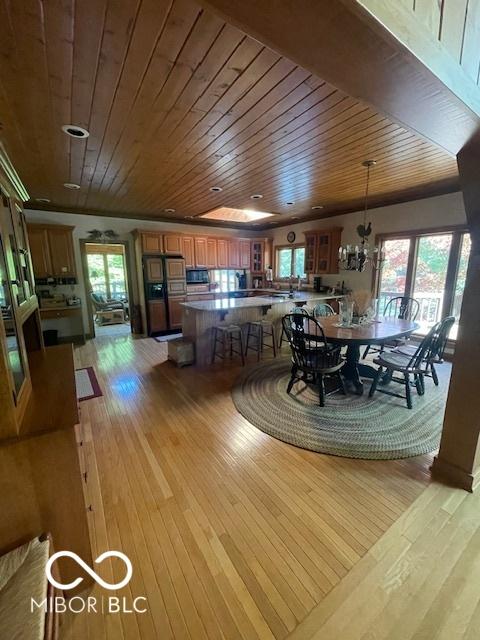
244, 246
172, 243
151, 242
222, 253
234, 254
200, 252
188, 251
51, 248
321, 250
211, 253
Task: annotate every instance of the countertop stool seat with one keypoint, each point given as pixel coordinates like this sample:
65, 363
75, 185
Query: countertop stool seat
227, 341
259, 332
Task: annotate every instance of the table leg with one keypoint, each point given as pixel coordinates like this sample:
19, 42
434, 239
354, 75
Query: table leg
353, 371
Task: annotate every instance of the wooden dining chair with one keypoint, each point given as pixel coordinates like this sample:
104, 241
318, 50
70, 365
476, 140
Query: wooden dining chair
313, 359
391, 362
323, 310
401, 308
303, 311
437, 353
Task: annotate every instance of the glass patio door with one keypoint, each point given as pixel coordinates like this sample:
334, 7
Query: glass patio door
393, 277
460, 276
431, 266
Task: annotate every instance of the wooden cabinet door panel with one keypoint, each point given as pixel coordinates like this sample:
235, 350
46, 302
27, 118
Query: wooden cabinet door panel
154, 269
39, 252
234, 254
173, 244
61, 252
245, 254
176, 287
201, 252
257, 256
188, 252
211, 253
175, 311
175, 268
152, 243
157, 316
222, 253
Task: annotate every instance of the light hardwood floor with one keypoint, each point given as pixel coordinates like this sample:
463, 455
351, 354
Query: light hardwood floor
232, 534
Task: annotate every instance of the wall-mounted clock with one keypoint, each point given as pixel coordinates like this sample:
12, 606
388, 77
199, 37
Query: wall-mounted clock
291, 236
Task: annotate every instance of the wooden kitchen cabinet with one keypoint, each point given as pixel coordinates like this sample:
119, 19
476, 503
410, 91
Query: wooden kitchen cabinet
257, 256
211, 253
188, 251
152, 242
51, 248
154, 269
234, 254
39, 251
321, 250
175, 268
222, 253
200, 252
244, 246
175, 311
172, 243
157, 316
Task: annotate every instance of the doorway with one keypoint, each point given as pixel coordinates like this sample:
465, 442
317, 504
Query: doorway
107, 288
429, 266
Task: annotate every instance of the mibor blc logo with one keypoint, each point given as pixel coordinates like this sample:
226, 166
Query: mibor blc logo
90, 604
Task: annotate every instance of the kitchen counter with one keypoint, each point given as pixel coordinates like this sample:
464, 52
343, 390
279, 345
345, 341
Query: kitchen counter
201, 316
223, 304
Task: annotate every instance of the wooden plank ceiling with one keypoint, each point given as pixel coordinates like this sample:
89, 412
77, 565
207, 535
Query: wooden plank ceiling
176, 102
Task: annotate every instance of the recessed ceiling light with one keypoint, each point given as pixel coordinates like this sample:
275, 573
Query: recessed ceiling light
316, 207
42, 200
169, 210
289, 203
190, 217
71, 185
294, 218
74, 131
215, 189
256, 196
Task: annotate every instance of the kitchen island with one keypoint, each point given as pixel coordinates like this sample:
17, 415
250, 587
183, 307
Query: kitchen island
200, 316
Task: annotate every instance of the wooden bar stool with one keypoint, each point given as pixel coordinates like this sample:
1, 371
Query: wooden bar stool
259, 331
229, 338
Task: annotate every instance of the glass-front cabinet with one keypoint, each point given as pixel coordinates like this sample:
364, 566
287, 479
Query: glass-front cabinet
13, 351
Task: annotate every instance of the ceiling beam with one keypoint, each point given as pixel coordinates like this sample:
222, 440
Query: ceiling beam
343, 43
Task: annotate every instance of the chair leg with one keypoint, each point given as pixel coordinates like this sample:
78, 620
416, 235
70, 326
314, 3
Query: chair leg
408, 391
365, 353
214, 348
342, 387
418, 384
434, 374
274, 343
373, 388
321, 391
292, 379
242, 354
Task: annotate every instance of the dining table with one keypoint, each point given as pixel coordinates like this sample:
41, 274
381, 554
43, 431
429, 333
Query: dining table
377, 332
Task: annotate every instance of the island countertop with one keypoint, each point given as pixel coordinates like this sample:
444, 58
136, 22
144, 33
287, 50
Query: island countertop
225, 304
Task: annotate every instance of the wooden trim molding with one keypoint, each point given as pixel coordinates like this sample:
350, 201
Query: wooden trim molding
11, 175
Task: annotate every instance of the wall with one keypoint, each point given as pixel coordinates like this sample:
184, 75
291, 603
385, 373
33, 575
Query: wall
417, 214
124, 227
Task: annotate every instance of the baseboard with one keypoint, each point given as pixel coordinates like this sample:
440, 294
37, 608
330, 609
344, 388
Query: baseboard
442, 470
78, 339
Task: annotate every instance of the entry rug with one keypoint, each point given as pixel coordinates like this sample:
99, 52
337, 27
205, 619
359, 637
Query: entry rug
87, 384
172, 336
378, 428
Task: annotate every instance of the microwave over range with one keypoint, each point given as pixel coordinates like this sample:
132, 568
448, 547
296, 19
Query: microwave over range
197, 276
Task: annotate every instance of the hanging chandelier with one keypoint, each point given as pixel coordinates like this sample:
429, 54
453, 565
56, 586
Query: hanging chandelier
356, 257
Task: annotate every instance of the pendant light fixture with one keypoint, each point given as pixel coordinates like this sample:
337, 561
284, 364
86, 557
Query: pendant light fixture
356, 258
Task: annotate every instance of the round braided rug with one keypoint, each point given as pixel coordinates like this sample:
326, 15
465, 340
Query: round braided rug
378, 428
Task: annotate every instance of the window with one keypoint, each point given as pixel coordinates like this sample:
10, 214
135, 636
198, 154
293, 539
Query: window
106, 271
429, 267
290, 262
226, 279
